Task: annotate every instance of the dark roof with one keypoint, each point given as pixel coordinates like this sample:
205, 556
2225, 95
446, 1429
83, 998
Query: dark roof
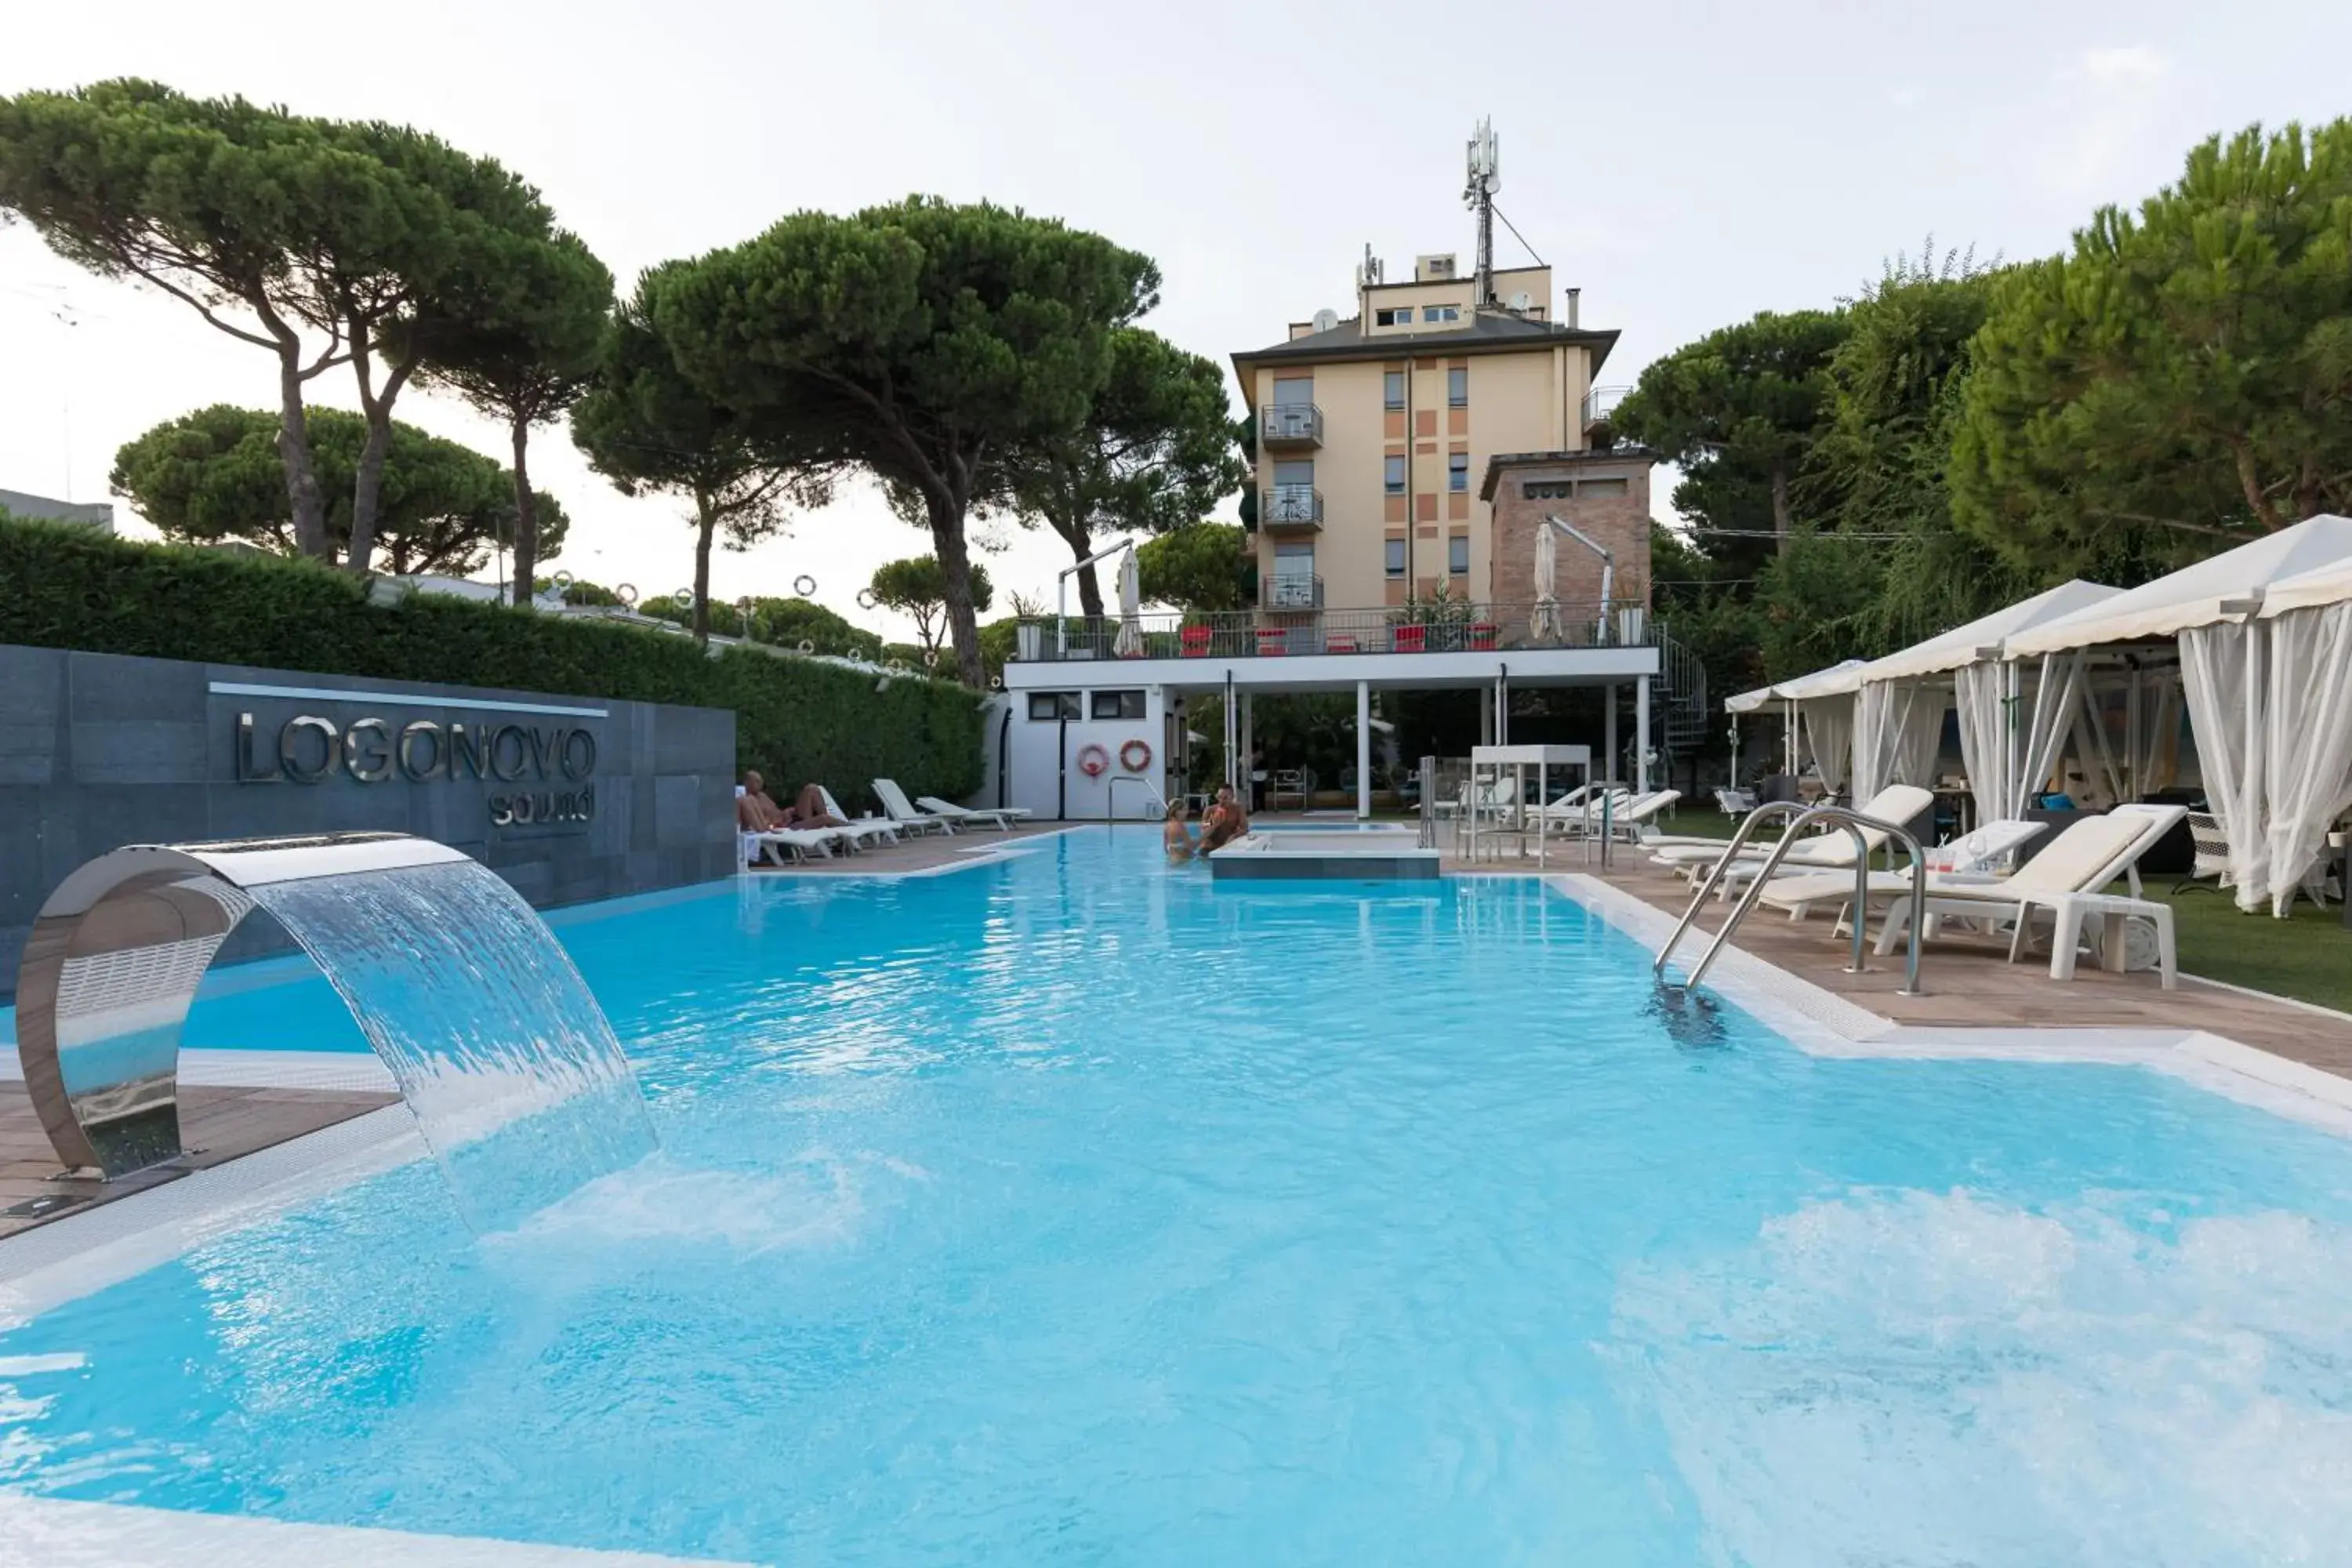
1630, 452
1487, 332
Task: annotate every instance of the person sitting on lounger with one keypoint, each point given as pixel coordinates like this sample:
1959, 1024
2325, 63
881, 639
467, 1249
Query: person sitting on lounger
1177, 836
757, 814
1224, 822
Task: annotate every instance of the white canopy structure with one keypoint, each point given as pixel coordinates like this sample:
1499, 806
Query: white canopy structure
2265, 638
1899, 718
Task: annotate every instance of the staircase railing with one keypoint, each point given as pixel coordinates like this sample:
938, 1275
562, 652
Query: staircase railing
1800, 817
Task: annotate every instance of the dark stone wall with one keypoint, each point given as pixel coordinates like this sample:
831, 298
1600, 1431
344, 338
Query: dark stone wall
98, 751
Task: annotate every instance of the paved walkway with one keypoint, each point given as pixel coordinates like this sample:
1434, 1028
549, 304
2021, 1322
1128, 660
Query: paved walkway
1970, 984
218, 1124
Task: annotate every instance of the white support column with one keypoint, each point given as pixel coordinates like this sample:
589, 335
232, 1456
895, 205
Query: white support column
1247, 767
1363, 750
1641, 734
1609, 734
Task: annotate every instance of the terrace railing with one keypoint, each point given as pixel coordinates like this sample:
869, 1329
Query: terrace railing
1288, 627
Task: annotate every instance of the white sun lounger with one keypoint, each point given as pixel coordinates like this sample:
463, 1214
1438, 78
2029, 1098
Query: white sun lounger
1896, 803
2078, 863
862, 830
1001, 818
1974, 859
902, 812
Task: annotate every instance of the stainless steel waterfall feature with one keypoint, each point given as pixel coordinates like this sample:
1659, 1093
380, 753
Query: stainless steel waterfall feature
481, 1017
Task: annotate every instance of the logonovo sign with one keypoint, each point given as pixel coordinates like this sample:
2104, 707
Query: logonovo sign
554, 764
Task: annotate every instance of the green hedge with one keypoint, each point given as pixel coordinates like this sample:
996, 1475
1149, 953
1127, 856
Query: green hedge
797, 720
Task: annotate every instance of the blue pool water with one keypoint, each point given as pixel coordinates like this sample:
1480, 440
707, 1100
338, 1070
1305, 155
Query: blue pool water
1076, 1209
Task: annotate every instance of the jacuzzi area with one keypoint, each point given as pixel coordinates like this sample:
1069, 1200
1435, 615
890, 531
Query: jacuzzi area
1355, 851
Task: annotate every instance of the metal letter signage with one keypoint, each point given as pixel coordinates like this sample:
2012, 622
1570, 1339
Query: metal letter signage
555, 764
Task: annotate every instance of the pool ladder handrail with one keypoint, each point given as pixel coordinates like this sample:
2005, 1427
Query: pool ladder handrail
1111, 820
1800, 817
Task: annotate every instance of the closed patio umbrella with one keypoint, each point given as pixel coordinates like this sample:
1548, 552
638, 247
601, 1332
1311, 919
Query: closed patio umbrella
1130, 609
1543, 626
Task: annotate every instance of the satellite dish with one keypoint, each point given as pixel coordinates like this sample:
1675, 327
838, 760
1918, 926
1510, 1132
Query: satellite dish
1521, 300
1326, 321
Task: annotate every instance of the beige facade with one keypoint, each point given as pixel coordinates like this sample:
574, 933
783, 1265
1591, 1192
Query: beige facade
1376, 435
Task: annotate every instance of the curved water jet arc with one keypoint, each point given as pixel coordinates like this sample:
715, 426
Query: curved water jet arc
455, 982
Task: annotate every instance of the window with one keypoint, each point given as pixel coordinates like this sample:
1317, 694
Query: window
1050, 706
1457, 555
1396, 557
1554, 489
1118, 704
1457, 471
1295, 471
1393, 389
1441, 313
1457, 386
1601, 487
1394, 465
1294, 392
1401, 316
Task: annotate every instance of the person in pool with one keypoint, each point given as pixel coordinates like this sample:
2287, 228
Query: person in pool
1224, 822
1177, 836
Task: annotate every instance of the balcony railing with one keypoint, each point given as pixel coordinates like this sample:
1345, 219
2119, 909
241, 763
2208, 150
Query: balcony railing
1290, 425
1275, 630
1291, 591
1601, 403
1290, 506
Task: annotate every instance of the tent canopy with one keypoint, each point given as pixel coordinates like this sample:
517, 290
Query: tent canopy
2330, 584
1960, 645
1831, 682
2193, 596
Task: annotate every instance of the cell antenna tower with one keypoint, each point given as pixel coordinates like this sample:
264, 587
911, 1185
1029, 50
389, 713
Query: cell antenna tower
1485, 178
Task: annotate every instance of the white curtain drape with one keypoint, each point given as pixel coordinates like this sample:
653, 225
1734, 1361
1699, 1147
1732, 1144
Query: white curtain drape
1982, 727
2220, 672
1898, 726
2057, 694
2308, 769
1829, 732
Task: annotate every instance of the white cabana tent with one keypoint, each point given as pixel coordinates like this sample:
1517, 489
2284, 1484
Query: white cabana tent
1823, 703
1899, 715
2269, 693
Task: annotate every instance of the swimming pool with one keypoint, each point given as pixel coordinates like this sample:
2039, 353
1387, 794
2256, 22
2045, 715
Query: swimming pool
1072, 1208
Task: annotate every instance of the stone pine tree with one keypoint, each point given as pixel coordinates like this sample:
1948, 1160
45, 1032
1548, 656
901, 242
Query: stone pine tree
916, 587
326, 244
1155, 453
2180, 380
650, 430
188, 197
404, 243
215, 475
1739, 411
924, 341
527, 364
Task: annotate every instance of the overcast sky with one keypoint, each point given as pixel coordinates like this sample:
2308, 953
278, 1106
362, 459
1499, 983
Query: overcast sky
1686, 165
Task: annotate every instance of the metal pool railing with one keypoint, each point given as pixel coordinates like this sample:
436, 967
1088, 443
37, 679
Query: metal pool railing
1143, 784
1801, 816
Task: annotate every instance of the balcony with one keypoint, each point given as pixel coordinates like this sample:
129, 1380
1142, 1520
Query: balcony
1599, 410
1290, 506
1290, 426
1291, 591
1292, 620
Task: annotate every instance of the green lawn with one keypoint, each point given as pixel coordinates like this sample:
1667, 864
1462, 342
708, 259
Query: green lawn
2308, 956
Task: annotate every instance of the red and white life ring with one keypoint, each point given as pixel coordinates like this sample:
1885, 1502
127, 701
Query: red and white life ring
1130, 759
1093, 761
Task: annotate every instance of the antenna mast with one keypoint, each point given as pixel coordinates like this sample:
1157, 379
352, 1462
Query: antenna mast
1478, 192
